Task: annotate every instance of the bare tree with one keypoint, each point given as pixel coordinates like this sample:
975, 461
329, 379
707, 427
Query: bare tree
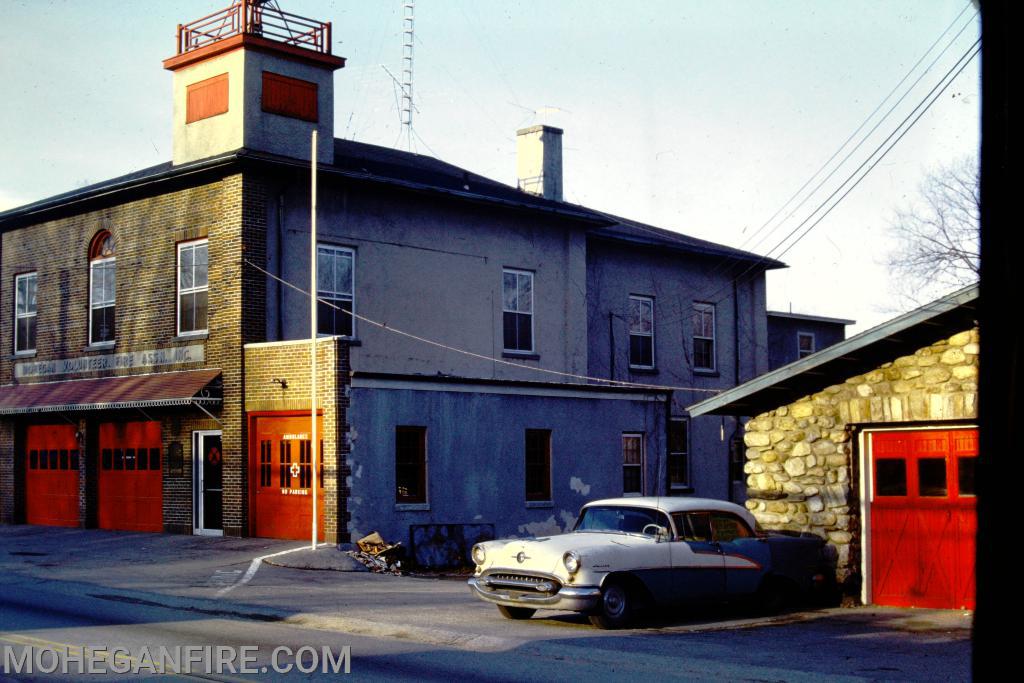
938, 238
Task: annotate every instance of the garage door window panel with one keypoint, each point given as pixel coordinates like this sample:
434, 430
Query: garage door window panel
891, 477
931, 478
965, 476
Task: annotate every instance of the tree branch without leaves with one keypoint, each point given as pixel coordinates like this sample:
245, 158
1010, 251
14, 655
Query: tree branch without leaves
937, 240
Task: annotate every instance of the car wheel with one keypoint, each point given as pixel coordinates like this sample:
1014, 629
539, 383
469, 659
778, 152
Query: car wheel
516, 612
616, 610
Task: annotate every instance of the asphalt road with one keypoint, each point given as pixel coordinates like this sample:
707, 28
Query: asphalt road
89, 589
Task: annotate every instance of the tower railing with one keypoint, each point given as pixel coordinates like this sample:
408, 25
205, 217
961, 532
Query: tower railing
255, 17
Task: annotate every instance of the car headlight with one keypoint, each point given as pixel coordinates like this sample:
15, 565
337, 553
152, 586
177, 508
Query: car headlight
571, 561
479, 554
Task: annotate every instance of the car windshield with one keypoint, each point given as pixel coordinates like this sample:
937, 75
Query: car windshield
619, 519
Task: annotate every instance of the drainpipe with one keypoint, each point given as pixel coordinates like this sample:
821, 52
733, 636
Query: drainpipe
611, 345
279, 257
736, 377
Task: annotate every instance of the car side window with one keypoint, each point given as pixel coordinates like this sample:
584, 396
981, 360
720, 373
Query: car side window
728, 527
693, 526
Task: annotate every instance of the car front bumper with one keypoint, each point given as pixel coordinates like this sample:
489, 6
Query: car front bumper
568, 598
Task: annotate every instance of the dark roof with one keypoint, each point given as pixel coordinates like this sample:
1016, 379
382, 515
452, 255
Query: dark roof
626, 230
364, 162
109, 393
810, 318
900, 336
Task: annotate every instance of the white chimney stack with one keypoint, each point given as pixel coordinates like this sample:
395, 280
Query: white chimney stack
539, 161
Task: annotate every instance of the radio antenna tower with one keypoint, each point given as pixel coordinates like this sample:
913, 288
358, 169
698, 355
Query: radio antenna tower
407, 53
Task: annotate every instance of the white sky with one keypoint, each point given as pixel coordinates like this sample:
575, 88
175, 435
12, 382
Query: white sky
701, 117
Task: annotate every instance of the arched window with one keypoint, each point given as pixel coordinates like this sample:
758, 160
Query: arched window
102, 268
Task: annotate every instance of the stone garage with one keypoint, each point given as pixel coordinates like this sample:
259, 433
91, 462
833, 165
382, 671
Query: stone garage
872, 444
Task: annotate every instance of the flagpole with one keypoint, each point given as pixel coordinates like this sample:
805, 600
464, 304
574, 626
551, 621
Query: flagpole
313, 442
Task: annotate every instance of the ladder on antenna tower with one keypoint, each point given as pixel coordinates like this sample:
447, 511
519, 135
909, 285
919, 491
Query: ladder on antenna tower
407, 54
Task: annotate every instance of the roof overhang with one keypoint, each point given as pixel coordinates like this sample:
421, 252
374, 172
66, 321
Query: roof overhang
163, 389
859, 354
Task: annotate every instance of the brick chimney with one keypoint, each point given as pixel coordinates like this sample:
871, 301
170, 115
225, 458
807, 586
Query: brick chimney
539, 161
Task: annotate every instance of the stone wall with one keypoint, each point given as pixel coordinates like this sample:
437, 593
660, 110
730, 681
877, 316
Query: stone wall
801, 464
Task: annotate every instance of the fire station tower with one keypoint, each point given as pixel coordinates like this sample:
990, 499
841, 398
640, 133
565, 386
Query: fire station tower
252, 76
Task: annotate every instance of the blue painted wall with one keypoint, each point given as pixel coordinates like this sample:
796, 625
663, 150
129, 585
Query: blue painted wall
475, 456
783, 330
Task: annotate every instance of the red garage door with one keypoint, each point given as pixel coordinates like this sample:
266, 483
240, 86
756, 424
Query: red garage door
923, 518
130, 482
51, 475
282, 478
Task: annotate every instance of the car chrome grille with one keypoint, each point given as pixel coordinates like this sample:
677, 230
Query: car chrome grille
523, 582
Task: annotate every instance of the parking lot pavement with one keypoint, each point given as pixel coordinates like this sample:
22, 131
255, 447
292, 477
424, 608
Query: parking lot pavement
195, 573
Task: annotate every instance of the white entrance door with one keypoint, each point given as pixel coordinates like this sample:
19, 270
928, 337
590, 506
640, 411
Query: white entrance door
208, 479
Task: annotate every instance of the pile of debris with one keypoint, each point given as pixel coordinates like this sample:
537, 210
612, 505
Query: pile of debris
378, 555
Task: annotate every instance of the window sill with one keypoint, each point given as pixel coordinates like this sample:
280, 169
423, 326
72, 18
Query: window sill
642, 370
521, 355
705, 372
101, 346
412, 507
23, 354
539, 504
680, 491
191, 336
351, 341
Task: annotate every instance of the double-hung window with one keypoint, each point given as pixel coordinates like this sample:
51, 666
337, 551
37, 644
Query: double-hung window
678, 454
804, 344
102, 289
25, 312
517, 310
703, 336
641, 332
335, 276
193, 287
633, 464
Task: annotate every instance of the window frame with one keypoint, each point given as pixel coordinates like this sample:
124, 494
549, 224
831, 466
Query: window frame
641, 465
420, 500
19, 316
687, 484
94, 264
518, 273
800, 353
701, 307
649, 335
543, 496
334, 296
192, 244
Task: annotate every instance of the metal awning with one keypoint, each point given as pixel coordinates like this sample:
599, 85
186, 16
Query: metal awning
198, 387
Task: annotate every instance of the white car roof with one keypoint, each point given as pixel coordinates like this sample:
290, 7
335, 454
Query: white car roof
678, 504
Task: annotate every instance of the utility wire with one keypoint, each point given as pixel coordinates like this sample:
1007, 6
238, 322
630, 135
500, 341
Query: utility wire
923, 106
409, 335
861, 127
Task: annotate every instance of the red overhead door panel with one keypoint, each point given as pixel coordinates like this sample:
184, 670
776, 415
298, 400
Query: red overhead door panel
130, 482
51, 475
923, 518
282, 479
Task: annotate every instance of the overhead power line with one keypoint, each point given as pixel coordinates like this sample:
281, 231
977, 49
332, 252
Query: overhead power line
480, 356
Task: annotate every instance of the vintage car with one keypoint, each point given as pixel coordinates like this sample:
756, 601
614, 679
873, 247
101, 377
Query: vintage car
626, 553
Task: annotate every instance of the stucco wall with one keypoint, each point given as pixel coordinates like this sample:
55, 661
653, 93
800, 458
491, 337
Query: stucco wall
675, 282
801, 469
433, 268
475, 456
